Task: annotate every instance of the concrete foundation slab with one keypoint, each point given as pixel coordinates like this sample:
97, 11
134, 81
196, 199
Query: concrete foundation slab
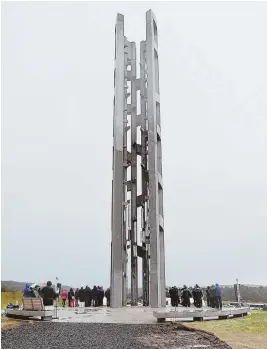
30, 313
199, 314
124, 315
142, 315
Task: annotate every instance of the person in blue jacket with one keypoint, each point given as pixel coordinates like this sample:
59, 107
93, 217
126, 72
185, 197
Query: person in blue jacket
27, 291
218, 295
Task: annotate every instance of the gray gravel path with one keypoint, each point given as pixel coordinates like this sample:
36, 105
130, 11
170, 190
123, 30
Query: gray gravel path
51, 335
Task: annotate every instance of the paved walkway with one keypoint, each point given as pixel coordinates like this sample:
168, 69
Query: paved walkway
127, 315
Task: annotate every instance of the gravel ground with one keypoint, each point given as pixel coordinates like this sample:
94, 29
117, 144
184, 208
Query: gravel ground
51, 335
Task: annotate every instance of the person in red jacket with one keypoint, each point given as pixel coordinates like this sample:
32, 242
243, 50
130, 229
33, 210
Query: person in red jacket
64, 296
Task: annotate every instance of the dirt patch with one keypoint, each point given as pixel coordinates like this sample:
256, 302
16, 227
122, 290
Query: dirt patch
178, 336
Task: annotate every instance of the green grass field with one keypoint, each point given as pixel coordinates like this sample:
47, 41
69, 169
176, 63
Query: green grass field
249, 332
10, 297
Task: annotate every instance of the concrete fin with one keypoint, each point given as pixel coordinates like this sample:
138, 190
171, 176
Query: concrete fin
126, 42
120, 17
138, 149
137, 82
141, 252
158, 132
129, 109
129, 75
138, 120
129, 157
160, 180
146, 175
139, 200
129, 185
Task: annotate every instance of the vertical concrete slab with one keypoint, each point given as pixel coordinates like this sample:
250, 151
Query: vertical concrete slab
144, 225
134, 265
157, 251
118, 193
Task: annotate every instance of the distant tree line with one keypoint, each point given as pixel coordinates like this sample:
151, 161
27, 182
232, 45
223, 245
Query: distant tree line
7, 289
248, 293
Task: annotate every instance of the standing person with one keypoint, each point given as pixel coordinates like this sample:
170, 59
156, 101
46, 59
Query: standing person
76, 296
107, 295
94, 296
98, 296
186, 295
81, 295
218, 296
101, 296
90, 297
27, 291
64, 295
48, 294
87, 296
171, 292
208, 296
197, 295
35, 291
212, 296
175, 296
70, 297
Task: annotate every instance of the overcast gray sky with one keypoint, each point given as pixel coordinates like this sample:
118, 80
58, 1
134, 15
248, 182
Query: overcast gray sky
57, 88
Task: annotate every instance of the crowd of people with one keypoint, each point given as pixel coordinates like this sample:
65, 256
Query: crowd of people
214, 296
182, 296
90, 297
95, 296
48, 292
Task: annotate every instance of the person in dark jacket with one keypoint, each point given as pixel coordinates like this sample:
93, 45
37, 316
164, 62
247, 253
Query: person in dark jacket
76, 296
175, 295
218, 296
82, 295
197, 295
87, 296
70, 296
98, 297
107, 295
212, 296
208, 296
48, 294
171, 293
95, 296
186, 295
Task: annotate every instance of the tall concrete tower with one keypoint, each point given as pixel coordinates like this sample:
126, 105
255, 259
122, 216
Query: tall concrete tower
137, 186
